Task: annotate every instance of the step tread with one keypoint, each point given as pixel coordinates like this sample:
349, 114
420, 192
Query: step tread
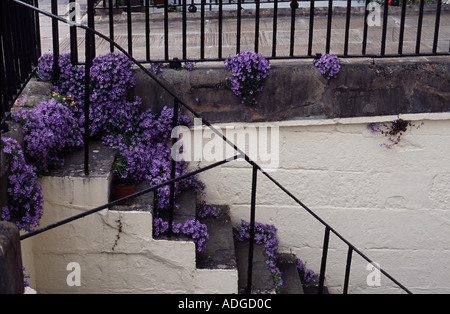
262, 279
187, 207
219, 252
291, 278
101, 160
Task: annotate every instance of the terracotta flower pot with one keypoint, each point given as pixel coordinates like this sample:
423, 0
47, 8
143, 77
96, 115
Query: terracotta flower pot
123, 188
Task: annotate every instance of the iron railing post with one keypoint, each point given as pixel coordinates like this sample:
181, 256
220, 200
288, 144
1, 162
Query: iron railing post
419, 26
166, 29
258, 6
129, 28
347, 26
347, 269
324, 259
294, 6
384, 29
238, 26
252, 230
311, 27
202, 29
111, 24
274, 28
330, 17
73, 37
365, 28
402, 28
436, 25
55, 37
173, 168
89, 53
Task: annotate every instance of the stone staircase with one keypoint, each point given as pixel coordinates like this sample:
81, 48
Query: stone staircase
126, 229
223, 252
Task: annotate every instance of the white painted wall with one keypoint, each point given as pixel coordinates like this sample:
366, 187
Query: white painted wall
393, 205
137, 264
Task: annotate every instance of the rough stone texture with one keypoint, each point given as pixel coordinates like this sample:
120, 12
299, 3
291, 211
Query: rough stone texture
11, 275
364, 87
219, 252
262, 279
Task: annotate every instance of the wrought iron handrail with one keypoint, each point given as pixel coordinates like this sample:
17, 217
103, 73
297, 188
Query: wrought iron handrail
240, 154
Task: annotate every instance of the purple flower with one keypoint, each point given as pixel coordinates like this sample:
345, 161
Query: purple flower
329, 65
191, 227
50, 128
249, 69
25, 207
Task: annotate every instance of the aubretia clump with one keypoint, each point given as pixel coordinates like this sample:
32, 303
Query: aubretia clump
192, 228
111, 78
50, 128
393, 131
71, 79
329, 65
25, 193
204, 209
143, 145
305, 273
249, 69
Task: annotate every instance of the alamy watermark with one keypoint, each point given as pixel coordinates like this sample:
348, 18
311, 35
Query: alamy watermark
373, 279
73, 279
260, 143
73, 13
374, 15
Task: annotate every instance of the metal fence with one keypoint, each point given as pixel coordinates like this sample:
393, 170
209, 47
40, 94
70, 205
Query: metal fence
282, 27
19, 50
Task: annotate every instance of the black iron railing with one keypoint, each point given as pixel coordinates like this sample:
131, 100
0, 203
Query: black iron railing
239, 154
19, 51
354, 11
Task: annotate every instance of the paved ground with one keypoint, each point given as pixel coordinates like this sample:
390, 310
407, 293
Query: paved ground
247, 34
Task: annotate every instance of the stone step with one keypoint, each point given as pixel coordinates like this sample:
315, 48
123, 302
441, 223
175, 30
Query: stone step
187, 210
262, 279
219, 252
145, 199
289, 273
187, 207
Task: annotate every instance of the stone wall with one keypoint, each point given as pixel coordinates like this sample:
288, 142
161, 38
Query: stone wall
296, 90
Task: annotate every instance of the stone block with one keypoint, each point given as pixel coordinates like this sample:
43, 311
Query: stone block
11, 273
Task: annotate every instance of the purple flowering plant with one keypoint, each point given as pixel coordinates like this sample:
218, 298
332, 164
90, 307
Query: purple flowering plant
392, 131
192, 228
111, 79
249, 70
50, 129
25, 192
305, 273
329, 65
